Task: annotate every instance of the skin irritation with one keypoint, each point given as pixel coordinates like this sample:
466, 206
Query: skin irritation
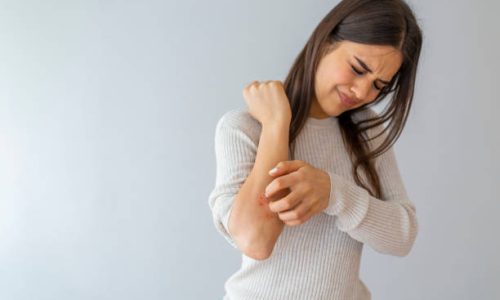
262, 200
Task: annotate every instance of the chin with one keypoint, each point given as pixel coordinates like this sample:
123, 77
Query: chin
335, 114
340, 109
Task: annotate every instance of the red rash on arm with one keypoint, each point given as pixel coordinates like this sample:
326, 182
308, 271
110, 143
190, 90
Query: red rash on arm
264, 201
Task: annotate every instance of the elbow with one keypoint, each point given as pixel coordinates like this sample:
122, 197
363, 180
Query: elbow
406, 245
254, 250
402, 251
398, 247
407, 240
251, 244
257, 254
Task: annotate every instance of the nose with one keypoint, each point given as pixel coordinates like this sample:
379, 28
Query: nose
361, 89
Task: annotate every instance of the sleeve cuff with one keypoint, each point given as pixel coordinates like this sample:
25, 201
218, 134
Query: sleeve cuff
222, 211
347, 201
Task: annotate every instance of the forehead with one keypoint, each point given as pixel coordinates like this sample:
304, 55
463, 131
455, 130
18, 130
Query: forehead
382, 60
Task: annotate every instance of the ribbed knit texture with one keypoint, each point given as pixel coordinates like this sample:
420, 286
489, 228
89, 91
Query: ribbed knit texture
320, 258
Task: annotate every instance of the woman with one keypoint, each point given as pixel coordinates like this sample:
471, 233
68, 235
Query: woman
301, 228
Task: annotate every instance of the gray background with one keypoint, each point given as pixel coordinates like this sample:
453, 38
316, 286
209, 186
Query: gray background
107, 119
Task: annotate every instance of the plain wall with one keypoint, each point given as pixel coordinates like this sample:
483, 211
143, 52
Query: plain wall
107, 120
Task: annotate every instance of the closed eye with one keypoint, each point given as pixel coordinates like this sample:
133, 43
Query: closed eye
357, 72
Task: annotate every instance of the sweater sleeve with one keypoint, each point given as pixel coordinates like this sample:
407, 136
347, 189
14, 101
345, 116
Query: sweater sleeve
235, 151
389, 226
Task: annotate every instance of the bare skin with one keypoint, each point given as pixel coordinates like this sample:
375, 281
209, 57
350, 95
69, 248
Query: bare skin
340, 71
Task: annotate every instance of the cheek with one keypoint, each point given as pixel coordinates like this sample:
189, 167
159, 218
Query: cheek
338, 79
331, 77
373, 96
344, 76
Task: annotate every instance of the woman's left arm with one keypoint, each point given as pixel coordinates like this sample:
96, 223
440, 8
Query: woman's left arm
389, 225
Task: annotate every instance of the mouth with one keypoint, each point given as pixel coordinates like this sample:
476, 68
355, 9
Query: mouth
348, 102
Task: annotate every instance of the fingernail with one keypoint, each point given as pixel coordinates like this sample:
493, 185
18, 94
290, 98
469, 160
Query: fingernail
274, 170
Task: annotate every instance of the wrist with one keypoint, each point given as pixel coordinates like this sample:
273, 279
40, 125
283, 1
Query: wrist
279, 124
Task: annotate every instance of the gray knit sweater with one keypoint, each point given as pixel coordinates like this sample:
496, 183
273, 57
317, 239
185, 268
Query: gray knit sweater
320, 258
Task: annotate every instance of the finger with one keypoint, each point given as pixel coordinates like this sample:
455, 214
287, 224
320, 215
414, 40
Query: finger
286, 166
250, 84
308, 215
246, 89
287, 203
295, 213
280, 183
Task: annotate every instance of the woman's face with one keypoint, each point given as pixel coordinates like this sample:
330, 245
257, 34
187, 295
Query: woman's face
352, 75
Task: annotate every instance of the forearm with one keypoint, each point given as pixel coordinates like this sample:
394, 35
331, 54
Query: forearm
252, 224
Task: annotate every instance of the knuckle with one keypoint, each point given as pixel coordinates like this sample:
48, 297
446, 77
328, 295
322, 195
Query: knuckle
277, 82
301, 211
251, 84
302, 215
279, 184
286, 204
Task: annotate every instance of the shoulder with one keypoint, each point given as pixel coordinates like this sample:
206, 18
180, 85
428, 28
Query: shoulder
238, 118
241, 121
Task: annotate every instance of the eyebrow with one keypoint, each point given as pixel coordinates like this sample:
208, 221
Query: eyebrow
362, 63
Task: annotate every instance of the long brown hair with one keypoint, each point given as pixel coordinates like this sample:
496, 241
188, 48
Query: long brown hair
374, 22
